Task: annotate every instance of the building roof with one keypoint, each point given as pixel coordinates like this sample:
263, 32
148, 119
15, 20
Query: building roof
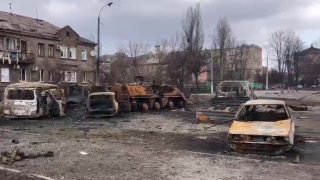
87, 41
311, 50
264, 101
20, 23
32, 26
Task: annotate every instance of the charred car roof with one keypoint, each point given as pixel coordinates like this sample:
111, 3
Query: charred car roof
233, 83
264, 101
102, 93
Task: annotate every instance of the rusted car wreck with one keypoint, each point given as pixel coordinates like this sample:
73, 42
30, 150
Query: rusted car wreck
102, 104
262, 126
229, 97
33, 99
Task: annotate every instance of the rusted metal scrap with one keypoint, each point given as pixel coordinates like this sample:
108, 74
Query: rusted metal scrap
102, 104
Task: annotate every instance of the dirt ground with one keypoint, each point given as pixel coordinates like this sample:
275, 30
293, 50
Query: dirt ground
154, 145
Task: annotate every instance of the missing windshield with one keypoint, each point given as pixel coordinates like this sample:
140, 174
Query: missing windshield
21, 94
263, 113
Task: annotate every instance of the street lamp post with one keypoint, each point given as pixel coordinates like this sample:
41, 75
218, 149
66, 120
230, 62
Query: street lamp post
98, 49
267, 74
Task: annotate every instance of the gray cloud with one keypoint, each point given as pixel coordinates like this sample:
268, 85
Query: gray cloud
152, 20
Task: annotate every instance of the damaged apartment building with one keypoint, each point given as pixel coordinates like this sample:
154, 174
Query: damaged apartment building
33, 50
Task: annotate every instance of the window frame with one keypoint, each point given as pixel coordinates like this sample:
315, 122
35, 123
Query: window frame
50, 46
50, 76
8, 43
84, 77
72, 53
2, 75
66, 77
84, 55
41, 75
40, 50
64, 52
25, 75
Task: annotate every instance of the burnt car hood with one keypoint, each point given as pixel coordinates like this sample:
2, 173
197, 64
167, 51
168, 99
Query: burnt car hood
277, 128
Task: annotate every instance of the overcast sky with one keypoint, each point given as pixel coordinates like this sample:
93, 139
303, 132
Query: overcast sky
149, 21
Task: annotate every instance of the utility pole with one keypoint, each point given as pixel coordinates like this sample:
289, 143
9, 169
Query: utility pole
211, 72
98, 49
98, 55
267, 74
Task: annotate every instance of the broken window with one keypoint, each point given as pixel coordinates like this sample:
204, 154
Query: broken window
5, 75
233, 91
41, 49
84, 77
1, 43
263, 112
70, 76
11, 43
50, 76
41, 75
23, 75
51, 50
20, 94
102, 102
72, 53
24, 49
57, 93
64, 51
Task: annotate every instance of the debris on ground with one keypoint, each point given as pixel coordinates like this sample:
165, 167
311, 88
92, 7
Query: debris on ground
302, 117
21, 129
17, 155
83, 153
202, 137
15, 141
298, 107
296, 159
181, 109
202, 118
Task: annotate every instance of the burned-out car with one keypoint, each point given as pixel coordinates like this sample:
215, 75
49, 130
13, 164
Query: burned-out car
230, 95
262, 126
102, 104
33, 99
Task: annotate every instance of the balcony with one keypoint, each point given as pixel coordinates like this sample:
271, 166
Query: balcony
14, 57
28, 58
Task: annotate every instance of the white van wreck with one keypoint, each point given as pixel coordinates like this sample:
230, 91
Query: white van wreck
33, 99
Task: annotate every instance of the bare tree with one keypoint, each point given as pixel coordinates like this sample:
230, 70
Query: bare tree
192, 40
277, 48
243, 56
161, 52
222, 39
293, 44
233, 62
284, 46
135, 52
120, 68
176, 62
